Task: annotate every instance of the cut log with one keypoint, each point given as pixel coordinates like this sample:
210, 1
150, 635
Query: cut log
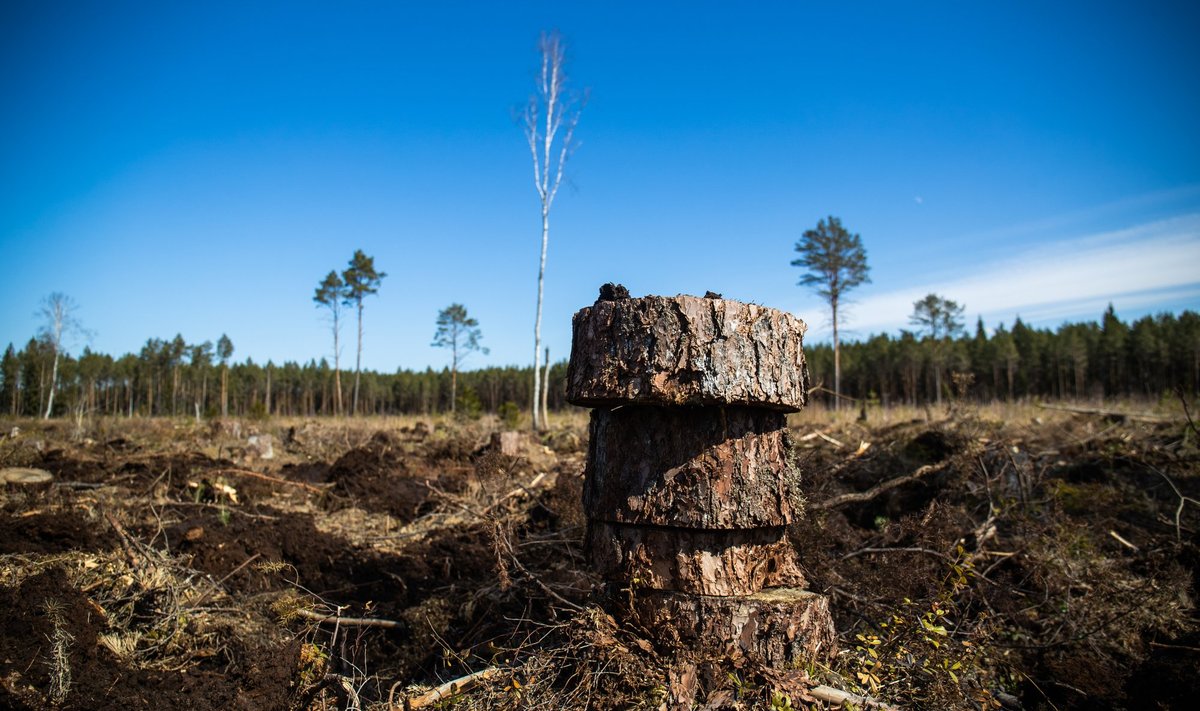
685, 350
735, 562
703, 468
777, 626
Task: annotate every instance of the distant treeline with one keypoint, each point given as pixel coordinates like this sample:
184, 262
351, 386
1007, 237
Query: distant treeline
1151, 356
176, 378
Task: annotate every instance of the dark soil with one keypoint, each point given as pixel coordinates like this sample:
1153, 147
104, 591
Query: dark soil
1078, 586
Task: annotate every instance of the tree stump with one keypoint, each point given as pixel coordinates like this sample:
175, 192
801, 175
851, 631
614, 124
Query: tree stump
724, 562
775, 626
694, 467
689, 483
686, 350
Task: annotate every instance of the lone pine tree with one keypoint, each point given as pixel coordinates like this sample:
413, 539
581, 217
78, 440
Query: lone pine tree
836, 263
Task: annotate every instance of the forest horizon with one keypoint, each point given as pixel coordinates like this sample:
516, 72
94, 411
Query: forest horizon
1148, 357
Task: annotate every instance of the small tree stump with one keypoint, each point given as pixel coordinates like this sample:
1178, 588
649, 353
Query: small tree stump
732, 562
779, 627
685, 350
25, 476
507, 443
703, 468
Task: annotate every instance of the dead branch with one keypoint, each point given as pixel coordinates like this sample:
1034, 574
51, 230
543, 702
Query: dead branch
926, 551
272, 479
821, 389
1122, 540
860, 496
512, 555
1116, 414
450, 688
127, 542
1182, 501
1186, 411
348, 621
840, 698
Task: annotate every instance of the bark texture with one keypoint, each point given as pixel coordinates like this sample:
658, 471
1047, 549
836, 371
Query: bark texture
701, 468
777, 626
686, 350
735, 562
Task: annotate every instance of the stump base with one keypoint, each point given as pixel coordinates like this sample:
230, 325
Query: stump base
722, 562
777, 626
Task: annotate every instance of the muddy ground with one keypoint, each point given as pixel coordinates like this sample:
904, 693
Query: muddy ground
1039, 560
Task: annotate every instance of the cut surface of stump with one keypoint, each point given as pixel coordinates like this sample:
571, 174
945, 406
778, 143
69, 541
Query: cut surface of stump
700, 468
777, 626
25, 476
732, 562
686, 350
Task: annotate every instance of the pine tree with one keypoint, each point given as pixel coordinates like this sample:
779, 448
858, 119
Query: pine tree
460, 333
361, 280
836, 263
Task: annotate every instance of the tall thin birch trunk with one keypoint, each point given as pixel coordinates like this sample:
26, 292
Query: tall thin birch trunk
549, 111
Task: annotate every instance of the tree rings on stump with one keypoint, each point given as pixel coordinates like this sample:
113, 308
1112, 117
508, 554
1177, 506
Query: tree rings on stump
776, 626
704, 468
25, 476
733, 562
685, 350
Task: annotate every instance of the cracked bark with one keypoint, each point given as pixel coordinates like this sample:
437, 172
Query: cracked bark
666, 351
779, 627
733, 562
704, 468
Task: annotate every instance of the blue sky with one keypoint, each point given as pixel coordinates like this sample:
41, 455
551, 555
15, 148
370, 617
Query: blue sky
198, 168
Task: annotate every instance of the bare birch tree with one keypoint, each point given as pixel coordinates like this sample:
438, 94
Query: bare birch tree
549, 122
58, 310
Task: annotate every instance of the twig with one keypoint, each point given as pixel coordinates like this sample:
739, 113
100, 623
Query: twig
1182, 500
126, 541
450, 688
525, 488
822, 435
1186, 412
831, 440
272, 479
353, 703
1160, 645
1122, 541
348, 621
860, 496
926, 551
233, 572
831, 695
821, 389
536, 580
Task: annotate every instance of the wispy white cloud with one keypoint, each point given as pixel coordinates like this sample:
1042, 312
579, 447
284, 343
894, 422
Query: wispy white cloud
1141, 266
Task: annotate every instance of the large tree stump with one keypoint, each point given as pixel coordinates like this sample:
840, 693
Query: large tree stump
779, 626
689, 481
686, 350
733, 562
696, 467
